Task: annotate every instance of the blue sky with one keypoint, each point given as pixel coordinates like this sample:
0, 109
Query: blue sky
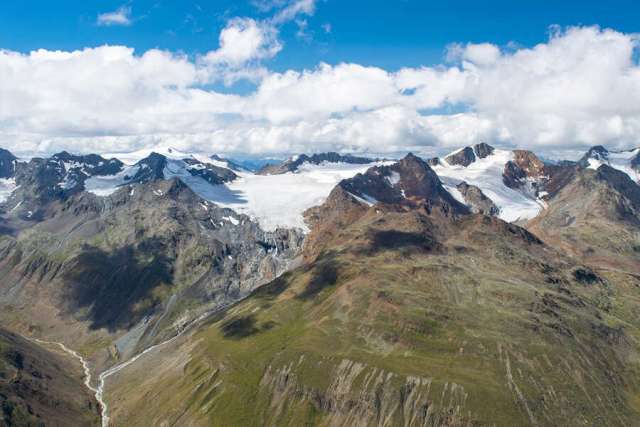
385, 33
291, 76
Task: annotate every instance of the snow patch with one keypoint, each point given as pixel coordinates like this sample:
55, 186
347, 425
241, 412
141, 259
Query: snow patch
394, 178
105, 185
455, 193
486, 174
280, 200
231, 219
7, 186
620, 160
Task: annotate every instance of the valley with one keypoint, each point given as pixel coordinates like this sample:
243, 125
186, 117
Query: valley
487, 287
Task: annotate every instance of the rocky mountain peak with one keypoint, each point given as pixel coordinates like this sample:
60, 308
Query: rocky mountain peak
292, 164
463, 157
621, 182
483, 150
525, 165
409, 182
157, 167
477, 200
635, 162
468, 155
597, 152
150, 168
7, 164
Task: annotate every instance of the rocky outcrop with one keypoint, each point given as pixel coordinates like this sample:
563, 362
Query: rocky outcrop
483, 150
462, 157
477, 200
360, 395
89, 165
525, 166
596, 217
623, 184
151, 168
635, 162
212, 174
527, 173
292, 164
8, 164
121, 262
410, 181
408, 184
597, 152
468, 155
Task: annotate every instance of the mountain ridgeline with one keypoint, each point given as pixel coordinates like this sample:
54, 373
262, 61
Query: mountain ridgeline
486, 287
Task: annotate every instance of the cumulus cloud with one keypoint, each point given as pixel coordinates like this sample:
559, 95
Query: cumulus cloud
121, 16
245, 42
581, 87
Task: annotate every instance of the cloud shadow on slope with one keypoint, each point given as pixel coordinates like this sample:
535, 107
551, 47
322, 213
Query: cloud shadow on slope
114, 290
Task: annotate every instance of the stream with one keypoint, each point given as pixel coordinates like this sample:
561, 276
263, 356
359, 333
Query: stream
99, 391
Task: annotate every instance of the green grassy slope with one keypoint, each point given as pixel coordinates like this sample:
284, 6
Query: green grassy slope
41, 388
403, 319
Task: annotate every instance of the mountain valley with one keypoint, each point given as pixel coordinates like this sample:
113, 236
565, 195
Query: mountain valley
486, 287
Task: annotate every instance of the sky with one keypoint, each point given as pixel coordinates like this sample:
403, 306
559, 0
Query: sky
266, 77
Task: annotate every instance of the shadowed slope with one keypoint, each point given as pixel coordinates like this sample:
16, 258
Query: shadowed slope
402, 317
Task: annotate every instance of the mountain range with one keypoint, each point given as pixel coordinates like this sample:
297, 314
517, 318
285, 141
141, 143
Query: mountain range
486, 287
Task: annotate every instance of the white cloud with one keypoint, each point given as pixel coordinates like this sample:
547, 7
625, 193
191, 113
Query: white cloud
581, 87
121, 16
244, 40
293, 9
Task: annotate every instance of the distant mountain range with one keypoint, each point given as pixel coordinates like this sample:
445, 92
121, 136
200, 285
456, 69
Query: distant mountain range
487, 287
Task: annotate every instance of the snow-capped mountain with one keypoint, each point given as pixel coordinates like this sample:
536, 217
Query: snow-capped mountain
198, 172
626, 161
8, 163
512, 180
511, 184
293, 163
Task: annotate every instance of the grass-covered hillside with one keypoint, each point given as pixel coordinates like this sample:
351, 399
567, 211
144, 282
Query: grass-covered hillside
39, 387
410, 319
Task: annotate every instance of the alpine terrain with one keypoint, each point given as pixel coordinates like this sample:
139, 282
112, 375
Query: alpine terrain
487, 287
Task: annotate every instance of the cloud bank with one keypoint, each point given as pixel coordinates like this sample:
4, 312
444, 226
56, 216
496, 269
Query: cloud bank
579, 88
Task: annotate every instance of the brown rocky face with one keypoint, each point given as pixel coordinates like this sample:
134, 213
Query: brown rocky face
411, 181
463, 157
408, 184
477, 200
483, 150
524, 165
635, 162
529, 163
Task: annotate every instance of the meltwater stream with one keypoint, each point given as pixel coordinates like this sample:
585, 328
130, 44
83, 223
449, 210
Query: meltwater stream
99, 391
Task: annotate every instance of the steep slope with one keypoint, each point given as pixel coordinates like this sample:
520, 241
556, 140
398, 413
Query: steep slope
406, 313
514, 181
280, 200
625, 161
41, 181
8, 165
595, 217
110, 275
41, 388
